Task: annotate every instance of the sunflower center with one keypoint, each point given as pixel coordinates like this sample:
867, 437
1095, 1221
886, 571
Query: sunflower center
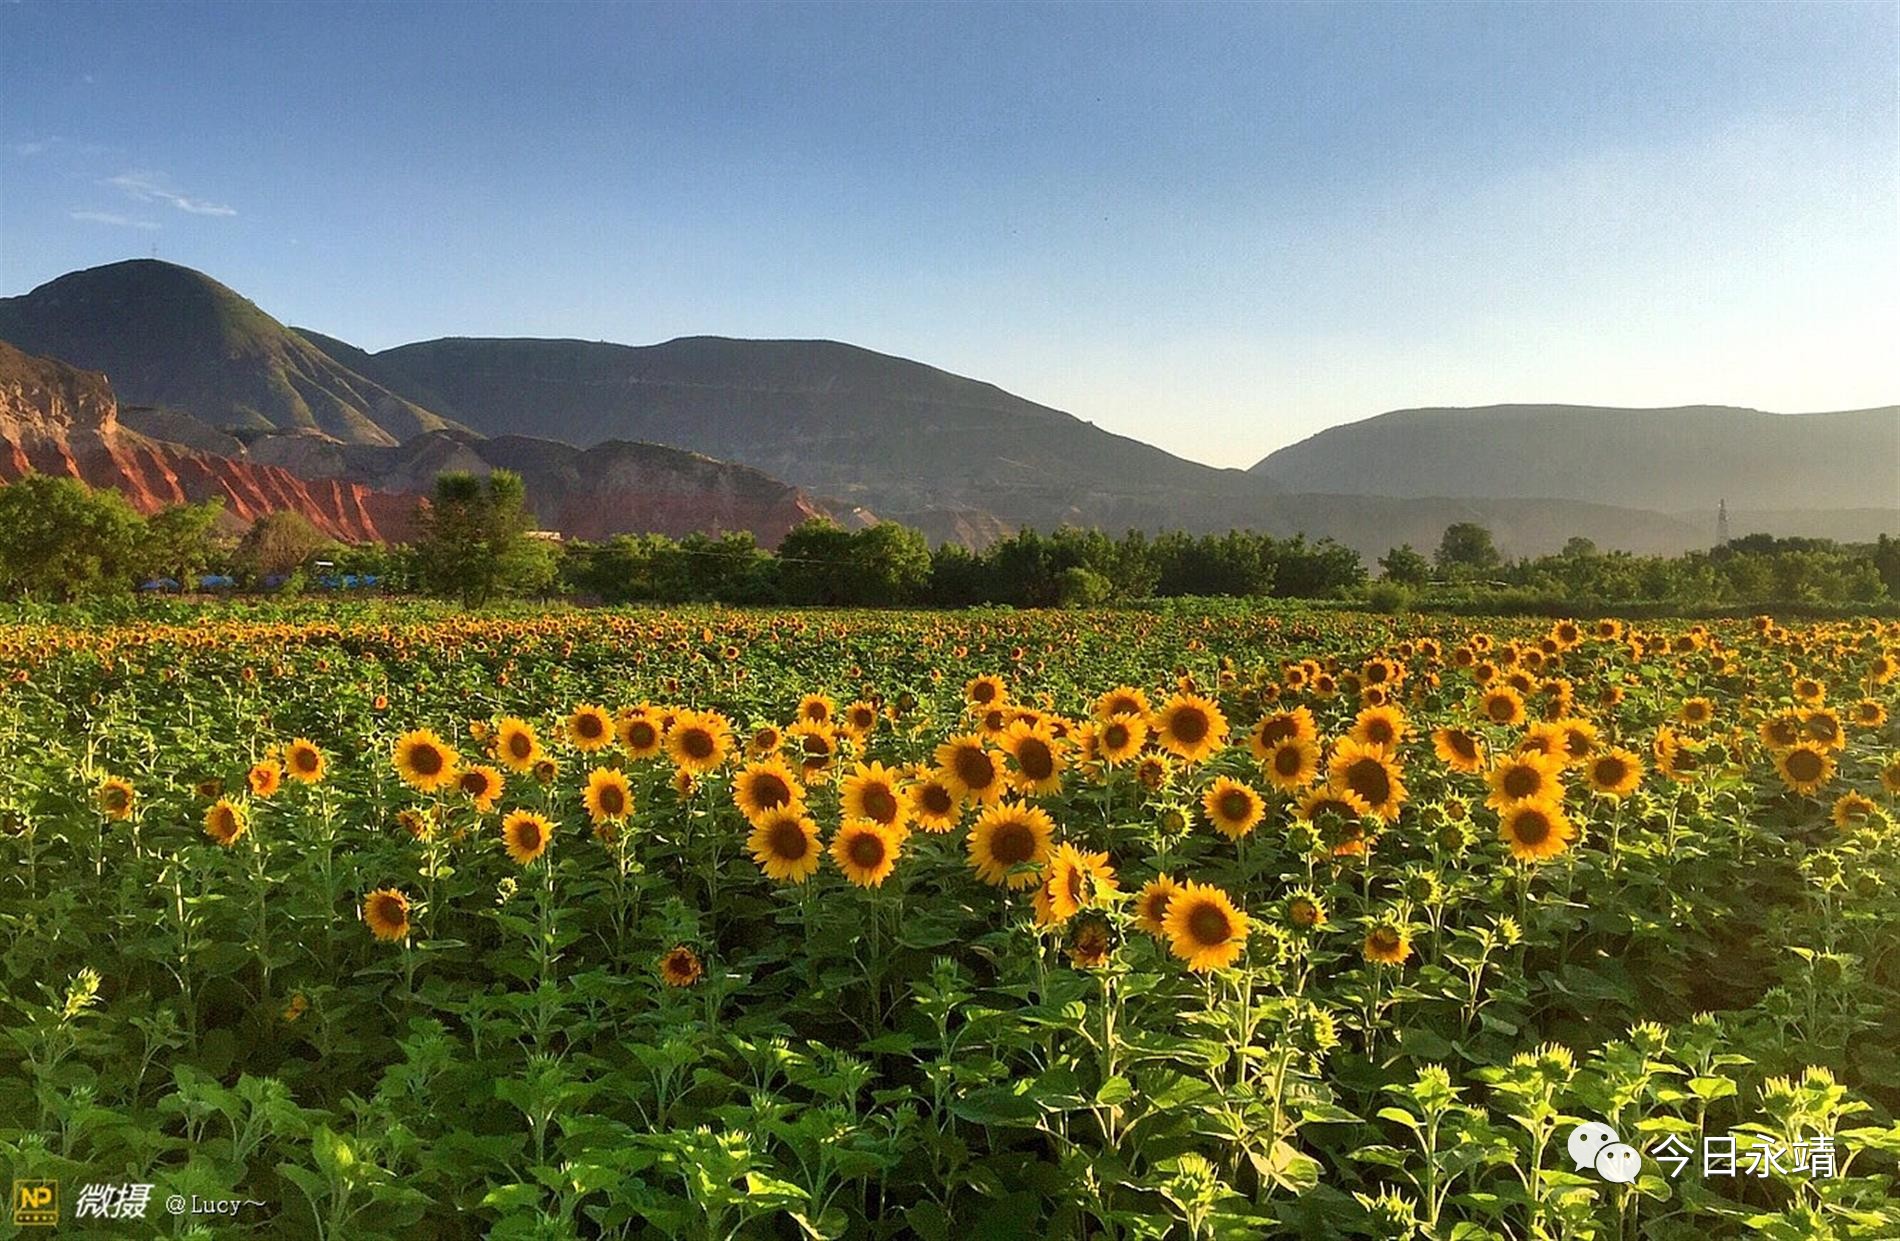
1462, 745
982, 692
1305, 913
1367, 778
475, 784
1277, 729
1287, 761
1385, 941
1804, 765
1611, 771
1190, 724
1209, 924
936, 799
612, 800
866, 850
1531, 827
788, 840
588, 726
697, 743
427, 760
974, 768
1379, 732
1500, 709
1235, 805
769, 790
1013, 844
880, 803
1036, 759
1122, 706
1115, 736
520, 745
1521, 782
640, 733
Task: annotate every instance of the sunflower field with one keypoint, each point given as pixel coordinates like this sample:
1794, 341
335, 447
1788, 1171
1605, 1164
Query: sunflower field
1211, 922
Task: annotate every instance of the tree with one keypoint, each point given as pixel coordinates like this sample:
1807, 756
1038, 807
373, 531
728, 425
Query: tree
475, 542
59, 539
1467, 550
278, 544
1404, 566
179, 541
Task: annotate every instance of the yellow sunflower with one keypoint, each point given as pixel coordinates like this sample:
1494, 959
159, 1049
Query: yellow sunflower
1234, 808
934, 805
1120, 737
1525, 777
859, 720
1805, 767
1502, 705
1853, 810
1868, 713
1305, 911
1535, 830
1579, 739
1151, 905
1190, 727
1890, 777
1008, 840
1074, 880
589, 728
872, 792
608, 796
386, 913
970, 769
116, 798
1372, 773
265, 778
985, 691
1387, 943
1613, 773
1780, 730
225, 822
516, 745
817, 709
865, 851
1459, 749
680, 967
1036, 758
785, 845
1380, 726
1204, 928
1292, 764
526, 834
1696, 713
1122, 700
765, 741
640, 735
481, 784
303, 761
698, 741
1823, 727
765, 787
814, 746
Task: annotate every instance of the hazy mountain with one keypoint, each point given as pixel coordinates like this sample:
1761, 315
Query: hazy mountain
170, 337
1672, 460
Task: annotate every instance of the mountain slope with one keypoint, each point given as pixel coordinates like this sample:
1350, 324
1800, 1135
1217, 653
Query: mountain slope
1672, 460
907, 440
171, 337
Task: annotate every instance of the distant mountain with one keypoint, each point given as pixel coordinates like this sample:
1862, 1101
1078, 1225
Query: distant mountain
909, 441
174, 338
1670, 460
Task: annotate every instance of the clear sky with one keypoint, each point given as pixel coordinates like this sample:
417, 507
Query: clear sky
1218, 228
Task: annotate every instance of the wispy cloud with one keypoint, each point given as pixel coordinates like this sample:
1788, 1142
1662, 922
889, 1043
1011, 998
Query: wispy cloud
38, 146
108, 217
152, 187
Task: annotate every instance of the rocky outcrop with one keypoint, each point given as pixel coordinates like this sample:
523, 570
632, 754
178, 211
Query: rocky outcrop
56, 419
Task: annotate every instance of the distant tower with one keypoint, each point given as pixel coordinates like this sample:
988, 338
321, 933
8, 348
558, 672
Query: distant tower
1721, 522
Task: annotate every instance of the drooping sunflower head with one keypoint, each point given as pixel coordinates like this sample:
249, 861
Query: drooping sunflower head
680, 967
303, 761
784, 843
265, 778
1204, 927
608, 796
872, 791
1233, 808
1151, 905
1074, 880
1387, 942
590, 728
225, 822
1190, 727
386, 913
116, 798
1535, 830
765, 787
516, 744
865, 851
526, 835
1009, 844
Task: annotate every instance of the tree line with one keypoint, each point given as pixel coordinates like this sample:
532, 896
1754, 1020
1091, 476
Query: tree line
60, 540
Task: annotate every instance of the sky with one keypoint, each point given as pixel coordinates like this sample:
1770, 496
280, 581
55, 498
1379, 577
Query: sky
1216, 228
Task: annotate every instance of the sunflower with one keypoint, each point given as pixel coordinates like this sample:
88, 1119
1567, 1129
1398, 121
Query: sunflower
303, 761
116, 798
1852, 810
1579, 739
1380, 726
1122, 700
1008, 840
210, 790
765, 787
1326, 800
1781, 730
698, 741
1535, 830
424, 760
1120, 737
1613, 773
865, 851
1459, 749
1823, 727
1233, 807
872, 792
1074, 880
1890, 777
764, 741
516, 745
640, 735
1868, 713
1153, 772
985, 691
1696, 713
816, 709
386, 913
1272, 729
1036, 758
1204, 928
1808, 690
1292, 764
608, 796
1190, 727
526, 836
1091, 939
1502, 705
1372, 773
224, 822
1305, 911
1805, 767
969, 769
1387, 943
680, 967
934, 805
265, 778
1543, 737
785, 845
590, 728
1524, 777
1151, 905
481, 784
815, 745
859, 720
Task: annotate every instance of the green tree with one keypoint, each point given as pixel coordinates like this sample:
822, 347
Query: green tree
1467, 550
1405, 566
475, 540
59, 539
180, 541
278, 544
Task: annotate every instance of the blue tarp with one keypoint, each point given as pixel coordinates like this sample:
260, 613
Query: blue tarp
160, 583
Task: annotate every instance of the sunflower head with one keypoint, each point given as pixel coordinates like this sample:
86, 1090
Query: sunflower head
680, 967
1233, 808
526, 835
589, 728
303, 761
1387, 942
1535, 831
934, 805
1204, 927
481, 784
1151, 905
1009, 844
116, 798
1190, 727
225, 822
866, 851
764, 787
424, 760
608, 796
386, 913
516, 745
785, 845
872, 792
641, 735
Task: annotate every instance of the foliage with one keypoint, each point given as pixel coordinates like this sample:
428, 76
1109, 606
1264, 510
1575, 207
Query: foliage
61, 540
475, 542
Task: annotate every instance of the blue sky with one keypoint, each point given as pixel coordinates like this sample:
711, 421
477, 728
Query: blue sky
1216, 228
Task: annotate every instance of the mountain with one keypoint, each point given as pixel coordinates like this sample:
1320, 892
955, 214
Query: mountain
912, 442
1671, 460
173, 338
611, 488
59, 420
